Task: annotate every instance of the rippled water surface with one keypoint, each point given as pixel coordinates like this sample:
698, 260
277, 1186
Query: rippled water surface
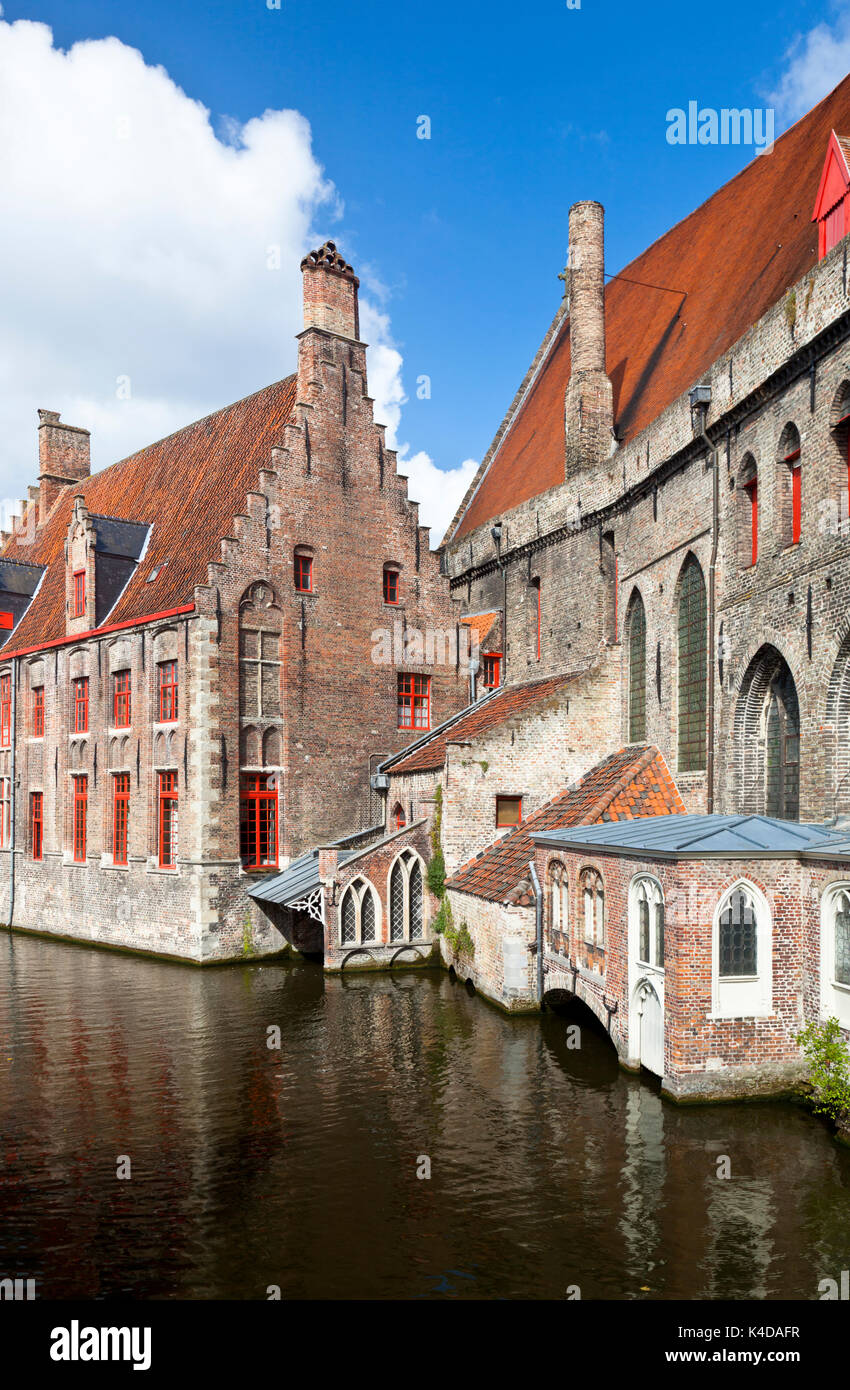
251, 1167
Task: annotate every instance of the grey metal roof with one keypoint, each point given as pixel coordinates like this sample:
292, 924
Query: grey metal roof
116, 537
698, 837
295, 883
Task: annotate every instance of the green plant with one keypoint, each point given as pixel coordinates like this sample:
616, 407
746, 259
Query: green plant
443, 923
465, 944
826, 1052
436, 873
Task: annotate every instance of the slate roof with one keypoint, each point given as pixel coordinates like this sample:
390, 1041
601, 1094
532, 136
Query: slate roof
703, 837
295, 883
188, 487
735, 256
632, 782
503, 704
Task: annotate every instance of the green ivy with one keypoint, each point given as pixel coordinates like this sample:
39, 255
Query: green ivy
436, 874
826, 1052
465, 944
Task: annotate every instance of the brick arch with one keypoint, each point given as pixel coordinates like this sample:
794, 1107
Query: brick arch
840, 403
766, 737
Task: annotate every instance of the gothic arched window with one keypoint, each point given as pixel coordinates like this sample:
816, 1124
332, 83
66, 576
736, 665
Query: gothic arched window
693, 667
636, 624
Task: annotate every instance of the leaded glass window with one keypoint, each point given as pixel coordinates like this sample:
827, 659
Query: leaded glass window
349, 919
397, 902
415, 902
738, 955
637, 670
693, 667
842, 939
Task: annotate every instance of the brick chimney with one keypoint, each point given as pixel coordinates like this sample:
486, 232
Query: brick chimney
330, 292
589, 406
64, 457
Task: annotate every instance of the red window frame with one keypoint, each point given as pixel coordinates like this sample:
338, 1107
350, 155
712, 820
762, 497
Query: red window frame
5, 711
167, 682
502, 804
120, 816
303, 573
79, 609
80, 709
399, 820
391, 584
793, 462
258, 821
37, 824
81, 802
492, 670
752, 487
38, 711
414, 702
122, 708
5, 812
167, 822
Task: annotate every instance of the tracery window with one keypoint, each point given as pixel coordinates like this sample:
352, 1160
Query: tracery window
406, 898
649, 901
593, 899
636, 621
693, 667
358, 916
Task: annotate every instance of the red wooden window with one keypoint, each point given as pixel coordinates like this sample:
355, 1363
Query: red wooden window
399, 821
414, 702
831, 228
120, 816
535, 583
36, 824
80, 705
5, 711
508, 810
121, 701
5, 812
81, 798
38, 711
167, 820
793, 461
752, 488
390, 585
258, 821
79, 594
167, 681
304, 573
492, 671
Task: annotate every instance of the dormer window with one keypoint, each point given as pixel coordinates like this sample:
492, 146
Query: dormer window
79, 608
832, 205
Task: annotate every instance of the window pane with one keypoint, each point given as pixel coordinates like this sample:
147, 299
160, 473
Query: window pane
367, 917
693, 668
842, 941
659, 933
738, 937
643, 943
397, 903
415, 902
637, 671
349, 919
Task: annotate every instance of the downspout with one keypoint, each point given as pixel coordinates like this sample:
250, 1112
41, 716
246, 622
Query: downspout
538, 929
712, 655
12, 794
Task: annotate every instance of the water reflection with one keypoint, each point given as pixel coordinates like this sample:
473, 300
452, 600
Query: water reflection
297, 1167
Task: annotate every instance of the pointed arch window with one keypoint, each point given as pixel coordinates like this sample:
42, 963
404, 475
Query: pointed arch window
559, 906
649, 943
636, 623
693, 667
406, 899
358, 917
742, 983
593, 901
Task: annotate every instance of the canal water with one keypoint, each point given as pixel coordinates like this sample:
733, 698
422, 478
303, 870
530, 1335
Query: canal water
297, 1167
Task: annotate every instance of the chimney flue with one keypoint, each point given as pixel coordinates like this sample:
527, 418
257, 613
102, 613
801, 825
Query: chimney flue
64, 457
330, 292
589, 413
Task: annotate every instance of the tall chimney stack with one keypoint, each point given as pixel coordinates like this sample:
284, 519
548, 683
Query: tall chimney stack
330, 293
64, 457
589, 404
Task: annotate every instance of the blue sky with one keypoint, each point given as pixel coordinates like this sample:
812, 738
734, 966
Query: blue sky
460, 238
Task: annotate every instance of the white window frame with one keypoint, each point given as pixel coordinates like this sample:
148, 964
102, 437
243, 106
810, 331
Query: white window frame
834, 997
593, 932
648, 885
745, 996
406, 858
358, 888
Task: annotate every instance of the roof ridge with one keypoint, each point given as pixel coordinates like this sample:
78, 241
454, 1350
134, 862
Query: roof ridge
607, 797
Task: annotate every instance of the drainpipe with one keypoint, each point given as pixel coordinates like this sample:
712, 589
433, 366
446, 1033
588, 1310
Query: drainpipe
538, 924
700, 398
12, 797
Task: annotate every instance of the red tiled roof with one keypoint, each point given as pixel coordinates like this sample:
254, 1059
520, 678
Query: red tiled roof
481, 624
632, 783
487, 714
735, 256
189, 486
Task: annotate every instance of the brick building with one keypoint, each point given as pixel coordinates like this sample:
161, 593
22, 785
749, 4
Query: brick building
193, 683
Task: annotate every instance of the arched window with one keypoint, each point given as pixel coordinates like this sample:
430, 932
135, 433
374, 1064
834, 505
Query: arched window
636, 626
748, 512
742, 980
558, 905
398, 820
835, 954
835, 510
841, 937
767, 738
649, 942
358, 914
406, 898
790, 490
693, 667
593, 900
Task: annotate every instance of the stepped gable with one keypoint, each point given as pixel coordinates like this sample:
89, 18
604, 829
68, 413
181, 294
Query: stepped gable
188, 487
631, 783
735, 256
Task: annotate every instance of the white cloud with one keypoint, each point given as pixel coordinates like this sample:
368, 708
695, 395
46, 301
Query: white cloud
136, 240
816, 62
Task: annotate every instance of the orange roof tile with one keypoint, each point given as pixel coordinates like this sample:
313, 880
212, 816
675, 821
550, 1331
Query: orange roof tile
487, 714
629, 784
735, 256
189, 486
